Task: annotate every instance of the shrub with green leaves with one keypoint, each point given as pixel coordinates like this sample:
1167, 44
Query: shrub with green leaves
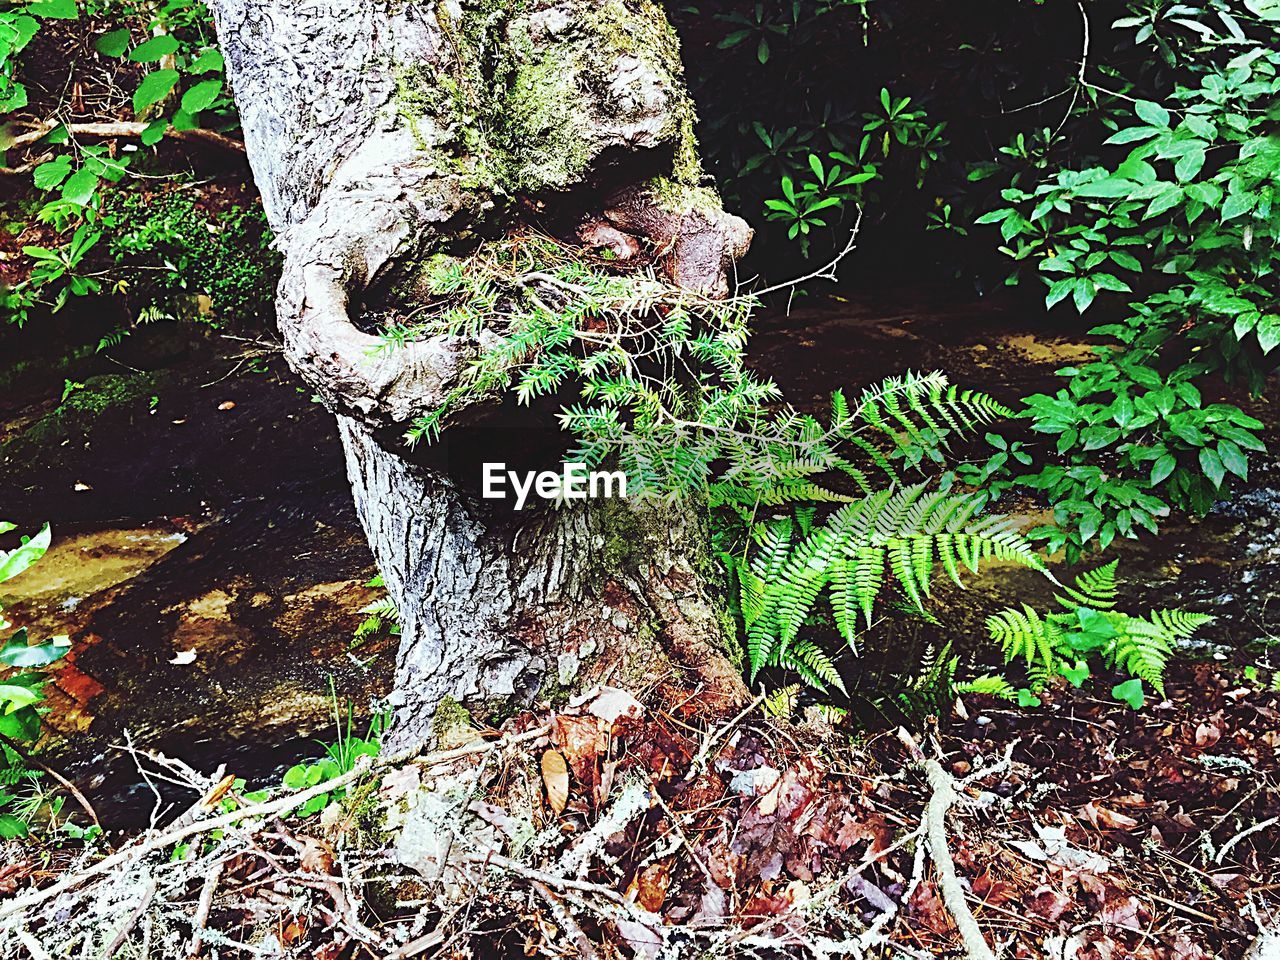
21, 684
169, 249
181, 88
1174, 216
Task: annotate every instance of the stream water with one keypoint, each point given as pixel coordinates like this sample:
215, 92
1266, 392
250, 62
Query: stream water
209, 567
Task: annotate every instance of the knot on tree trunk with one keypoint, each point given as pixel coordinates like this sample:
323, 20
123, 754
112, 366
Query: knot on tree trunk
463, 121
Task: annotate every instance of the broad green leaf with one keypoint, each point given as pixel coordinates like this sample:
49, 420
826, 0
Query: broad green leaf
55, 9
1233, 458
1167, 199
154, 87
1268, 330
1237, 204
1265, 9
1189, 165
1096, 630
157, 48
14, 697
1130, 692
11, 828
207, 62
154, 132
49, 175
112, 44
201, 95
1161, 469
80, 186
1152, 113
20, 558
1077, 674
18, 653
1132, 135
1212, 466
1110, 187
21, 725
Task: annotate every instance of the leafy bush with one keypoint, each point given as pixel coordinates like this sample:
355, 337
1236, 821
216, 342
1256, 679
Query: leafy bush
168, 249
1173, 215
20, 690
181, 87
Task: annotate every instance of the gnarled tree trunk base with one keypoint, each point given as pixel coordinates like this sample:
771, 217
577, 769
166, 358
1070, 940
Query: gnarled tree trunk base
501, 608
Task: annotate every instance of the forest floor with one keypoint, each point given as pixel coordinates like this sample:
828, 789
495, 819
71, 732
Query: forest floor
609, 829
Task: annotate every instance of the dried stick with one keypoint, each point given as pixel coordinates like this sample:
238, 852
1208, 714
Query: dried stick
713, 739
62, 781
570, 926
935, 818
118, 940
125, 129
269, 808
201, 918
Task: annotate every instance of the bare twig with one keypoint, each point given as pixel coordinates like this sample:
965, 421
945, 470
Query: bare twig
566, 922
1250, 831
826, 272
944, 795
34, 761
124, 129
131, 921
710, 742
201, 918
269, 808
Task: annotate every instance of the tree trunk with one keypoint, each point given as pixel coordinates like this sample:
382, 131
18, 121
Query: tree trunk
381, 131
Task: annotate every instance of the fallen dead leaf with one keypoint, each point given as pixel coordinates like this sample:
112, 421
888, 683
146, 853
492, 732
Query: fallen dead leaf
401, 782
581, 741
651, 884
1102, 817
555, 777
611, 704
1049, 903
316, 856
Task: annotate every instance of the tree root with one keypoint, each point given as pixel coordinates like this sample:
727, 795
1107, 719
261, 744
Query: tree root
935, 816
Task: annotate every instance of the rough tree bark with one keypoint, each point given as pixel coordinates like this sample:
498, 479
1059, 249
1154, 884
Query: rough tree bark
381, 131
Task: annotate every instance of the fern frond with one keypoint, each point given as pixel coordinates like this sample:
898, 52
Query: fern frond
813, 666
783, 701
1180, 623
1143, 650
1024, 634
989, 684
1095, 589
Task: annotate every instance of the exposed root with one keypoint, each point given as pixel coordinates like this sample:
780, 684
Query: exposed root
953, 895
